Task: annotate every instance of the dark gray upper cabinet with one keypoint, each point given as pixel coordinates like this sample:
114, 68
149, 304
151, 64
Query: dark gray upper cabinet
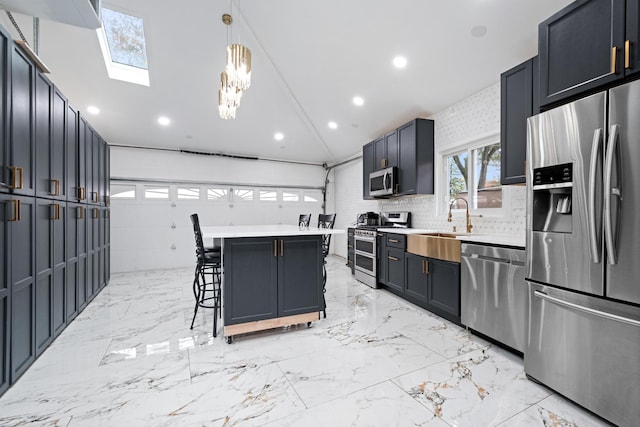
380, 153
386, 151
73, 156
22, 142
632, 48
5, 69
581, 48
518, 87
43, 93
72, 256
415, 157
368, 166
58, 179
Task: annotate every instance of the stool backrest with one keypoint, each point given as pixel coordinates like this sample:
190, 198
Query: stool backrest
304, 220
326, 221
198, 235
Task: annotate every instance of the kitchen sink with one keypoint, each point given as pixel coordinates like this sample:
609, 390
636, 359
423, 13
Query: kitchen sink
440, 245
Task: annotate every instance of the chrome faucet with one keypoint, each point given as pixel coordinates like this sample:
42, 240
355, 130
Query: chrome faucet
469, 226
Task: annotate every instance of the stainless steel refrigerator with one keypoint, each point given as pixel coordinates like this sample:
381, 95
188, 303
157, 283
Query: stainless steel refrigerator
583, 252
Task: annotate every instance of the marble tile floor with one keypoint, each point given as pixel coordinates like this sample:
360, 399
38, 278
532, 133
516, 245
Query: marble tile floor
130, 359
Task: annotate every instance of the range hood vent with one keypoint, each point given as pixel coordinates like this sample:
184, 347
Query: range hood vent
80, 13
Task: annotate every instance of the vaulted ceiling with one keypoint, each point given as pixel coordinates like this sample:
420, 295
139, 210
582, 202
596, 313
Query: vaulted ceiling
309, 60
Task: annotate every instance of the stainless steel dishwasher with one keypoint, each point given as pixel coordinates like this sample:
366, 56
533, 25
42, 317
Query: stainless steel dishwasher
494, 297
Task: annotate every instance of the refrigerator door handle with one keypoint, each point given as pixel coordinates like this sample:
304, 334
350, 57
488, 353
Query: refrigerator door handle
612, 151
593, 232
588, 310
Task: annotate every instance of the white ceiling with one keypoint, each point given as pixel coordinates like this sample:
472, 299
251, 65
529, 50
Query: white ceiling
309, 60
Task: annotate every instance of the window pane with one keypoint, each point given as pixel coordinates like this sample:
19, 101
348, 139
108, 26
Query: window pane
289, 196
487, 177
457, 167
268, 195
188, 193
217, 193
156, 192
243, 194
123, 191
313, 196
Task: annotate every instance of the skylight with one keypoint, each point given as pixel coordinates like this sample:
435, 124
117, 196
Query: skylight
123, 47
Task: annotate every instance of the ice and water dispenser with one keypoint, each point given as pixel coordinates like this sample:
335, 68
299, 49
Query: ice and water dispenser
552, 196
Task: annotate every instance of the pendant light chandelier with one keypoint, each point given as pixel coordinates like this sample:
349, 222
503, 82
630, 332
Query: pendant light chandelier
236, 76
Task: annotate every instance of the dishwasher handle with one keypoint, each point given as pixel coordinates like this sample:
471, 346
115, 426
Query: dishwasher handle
487, 258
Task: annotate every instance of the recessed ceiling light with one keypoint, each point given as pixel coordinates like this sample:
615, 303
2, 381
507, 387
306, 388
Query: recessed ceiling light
479, 31
357, 100
400, 62
164, 121
93, 109
333, 125
278, 136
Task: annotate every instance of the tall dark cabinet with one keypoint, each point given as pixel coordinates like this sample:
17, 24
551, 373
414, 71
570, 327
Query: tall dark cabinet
518, 101
54, 240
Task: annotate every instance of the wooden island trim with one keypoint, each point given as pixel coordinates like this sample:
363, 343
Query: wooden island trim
261, 325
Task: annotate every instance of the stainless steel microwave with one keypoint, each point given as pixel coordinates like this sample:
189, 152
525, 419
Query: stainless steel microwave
383, 182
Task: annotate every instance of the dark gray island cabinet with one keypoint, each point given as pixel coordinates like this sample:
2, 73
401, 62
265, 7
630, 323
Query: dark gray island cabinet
272, 276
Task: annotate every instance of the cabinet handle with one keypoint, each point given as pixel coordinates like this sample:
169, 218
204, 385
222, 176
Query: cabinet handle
56, 211
16, 210
96, 213
422, 266
426, 266
627, 53
275, 248
614, 59
56, 187
94, 196
83, 193
394, 241
107, 213
80, 214
281, 247
392, 258
14, 176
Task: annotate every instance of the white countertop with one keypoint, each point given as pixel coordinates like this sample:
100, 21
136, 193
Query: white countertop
230, 231
492, 239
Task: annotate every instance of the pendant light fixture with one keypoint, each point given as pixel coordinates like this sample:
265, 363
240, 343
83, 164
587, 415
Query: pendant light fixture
236, 76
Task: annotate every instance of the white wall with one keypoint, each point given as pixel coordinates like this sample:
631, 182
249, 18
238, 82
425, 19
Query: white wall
473, 118
152, 234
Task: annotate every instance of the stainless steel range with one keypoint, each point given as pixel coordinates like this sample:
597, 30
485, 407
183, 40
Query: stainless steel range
366, 245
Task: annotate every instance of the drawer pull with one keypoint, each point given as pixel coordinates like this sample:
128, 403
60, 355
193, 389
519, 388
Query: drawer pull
392, 258
614, 59
394, 241
56, 187
16, 210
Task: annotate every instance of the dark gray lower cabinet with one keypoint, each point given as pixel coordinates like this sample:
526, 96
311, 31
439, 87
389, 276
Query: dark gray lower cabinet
269, 277
434, 284
444, 289
5, 290
44, 275
22, 280
395, 269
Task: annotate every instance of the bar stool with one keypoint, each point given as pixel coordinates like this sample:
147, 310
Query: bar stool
209, 262
304, 220
325, 221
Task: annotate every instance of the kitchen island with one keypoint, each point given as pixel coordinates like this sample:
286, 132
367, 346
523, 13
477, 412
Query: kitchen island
272, 275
